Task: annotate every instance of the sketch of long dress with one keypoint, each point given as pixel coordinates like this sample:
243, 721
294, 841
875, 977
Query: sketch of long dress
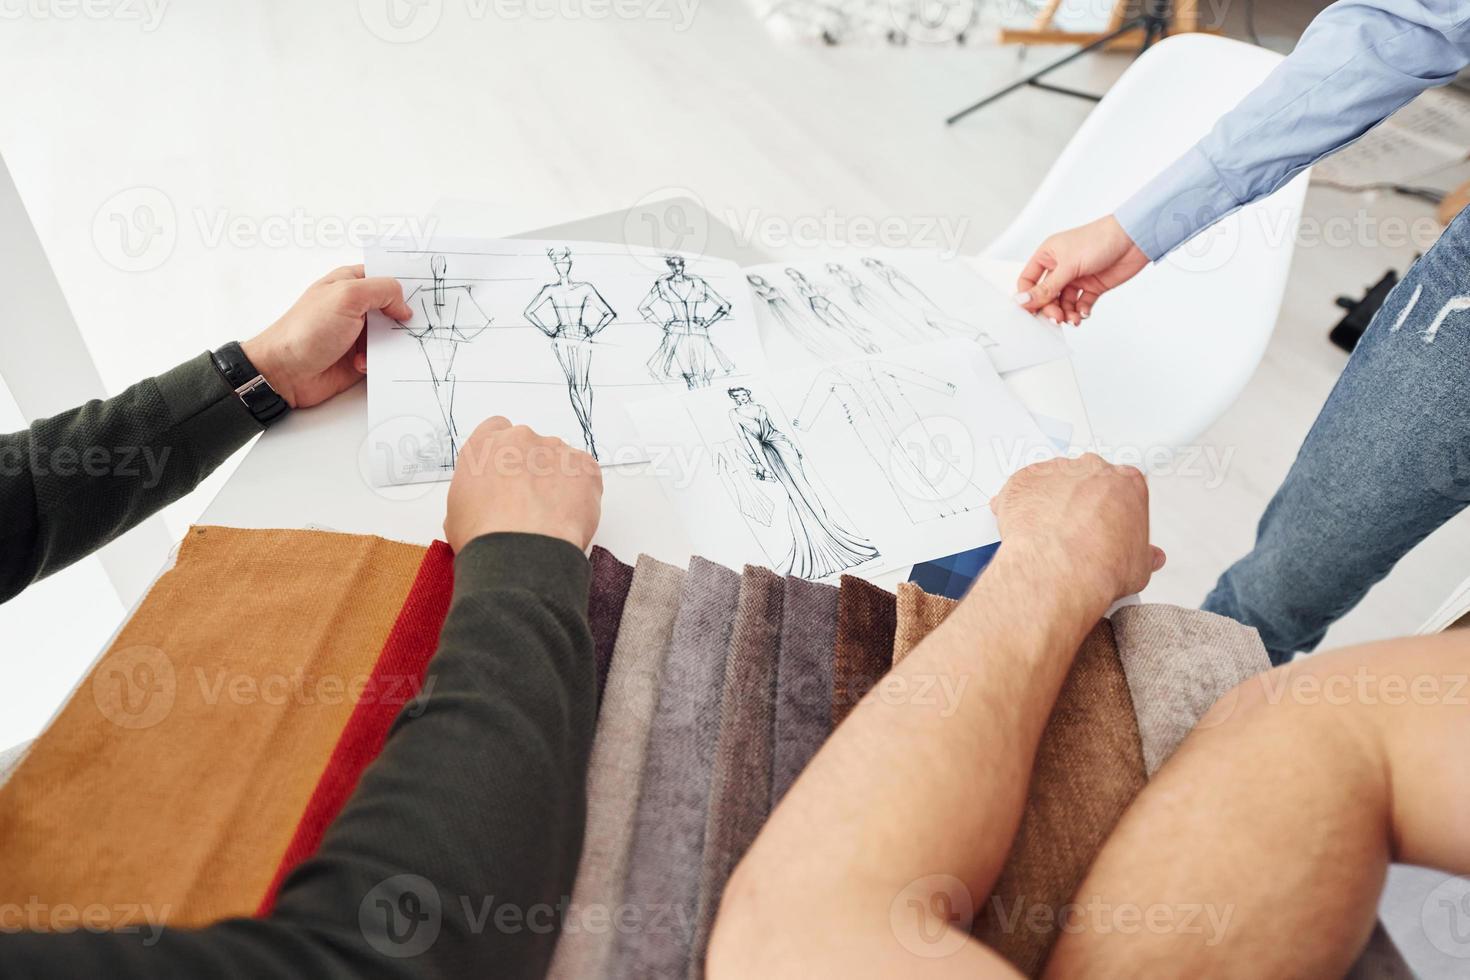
832, 315
578, 313
445, 317
685, 307
820, 546
908, 291
871, 302
798, 326
912, 459
751, 503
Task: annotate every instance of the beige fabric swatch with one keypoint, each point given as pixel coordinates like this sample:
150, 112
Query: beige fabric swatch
615, 768
1179, 662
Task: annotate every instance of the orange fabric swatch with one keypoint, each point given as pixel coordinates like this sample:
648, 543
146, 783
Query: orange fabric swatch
918, 614
173, 781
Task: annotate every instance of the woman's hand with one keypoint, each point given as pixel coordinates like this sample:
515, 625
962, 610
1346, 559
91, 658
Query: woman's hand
1073, 268
319, 347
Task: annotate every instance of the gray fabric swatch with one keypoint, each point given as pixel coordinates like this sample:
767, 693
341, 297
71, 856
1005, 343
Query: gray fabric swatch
740, 786
615, 768
662, 887
1179, 662
803, 679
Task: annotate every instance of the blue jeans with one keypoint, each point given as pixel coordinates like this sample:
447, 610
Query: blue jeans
1386, 462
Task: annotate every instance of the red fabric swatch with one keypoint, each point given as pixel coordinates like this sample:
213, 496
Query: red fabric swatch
405, 657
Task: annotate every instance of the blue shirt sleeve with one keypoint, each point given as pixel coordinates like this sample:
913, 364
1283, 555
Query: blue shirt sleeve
1357, 64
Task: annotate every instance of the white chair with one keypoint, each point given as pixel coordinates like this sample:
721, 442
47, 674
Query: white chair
1163, 356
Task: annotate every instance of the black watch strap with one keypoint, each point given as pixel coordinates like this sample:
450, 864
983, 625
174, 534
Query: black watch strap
249, 384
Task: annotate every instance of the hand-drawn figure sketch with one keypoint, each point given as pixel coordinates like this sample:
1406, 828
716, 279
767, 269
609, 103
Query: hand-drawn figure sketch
685, 307
577, 313
908, 291
832, 315
820, 546
915, 461
802, 329
450, 317
871, 302
740, 486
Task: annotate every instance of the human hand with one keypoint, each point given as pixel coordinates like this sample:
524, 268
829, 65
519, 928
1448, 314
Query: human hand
1078, 266
508, 478
1086, 519
319, 347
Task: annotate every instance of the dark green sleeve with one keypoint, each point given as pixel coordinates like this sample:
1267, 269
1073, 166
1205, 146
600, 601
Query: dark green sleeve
71, 483
455, 855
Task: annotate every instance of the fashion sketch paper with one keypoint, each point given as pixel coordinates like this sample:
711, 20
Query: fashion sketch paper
558, 335
857, 466
857, 302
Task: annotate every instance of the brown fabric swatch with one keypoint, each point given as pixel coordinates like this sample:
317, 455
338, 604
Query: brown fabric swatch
867, 619
918, 614
176, 775
611, 580
1089, 767
740, 789
803, 679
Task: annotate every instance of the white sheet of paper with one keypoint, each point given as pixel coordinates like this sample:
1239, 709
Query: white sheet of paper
559, 336
859, 302
861, 465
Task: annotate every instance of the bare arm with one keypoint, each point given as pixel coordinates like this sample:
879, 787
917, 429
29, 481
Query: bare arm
873, 863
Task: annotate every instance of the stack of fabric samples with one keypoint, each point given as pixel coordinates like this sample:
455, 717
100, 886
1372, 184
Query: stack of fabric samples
717, 688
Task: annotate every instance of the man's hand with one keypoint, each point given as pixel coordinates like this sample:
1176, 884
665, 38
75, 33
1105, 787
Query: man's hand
1073, 268
1086, 519
319, 347
508, 478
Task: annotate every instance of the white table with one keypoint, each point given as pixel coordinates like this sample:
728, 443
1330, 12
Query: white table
308, 470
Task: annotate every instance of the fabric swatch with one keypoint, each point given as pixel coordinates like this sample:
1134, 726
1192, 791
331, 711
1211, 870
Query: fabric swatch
1088, 768
177, 774
867, 620
803, 679
615, 768
668, 831
1179, 662
397, 677
918, 614
740, 786
611, 580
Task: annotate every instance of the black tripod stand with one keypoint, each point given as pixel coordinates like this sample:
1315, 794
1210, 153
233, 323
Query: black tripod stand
1155, 24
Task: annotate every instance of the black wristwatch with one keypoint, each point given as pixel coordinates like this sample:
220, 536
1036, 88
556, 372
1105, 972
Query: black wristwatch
250, 385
